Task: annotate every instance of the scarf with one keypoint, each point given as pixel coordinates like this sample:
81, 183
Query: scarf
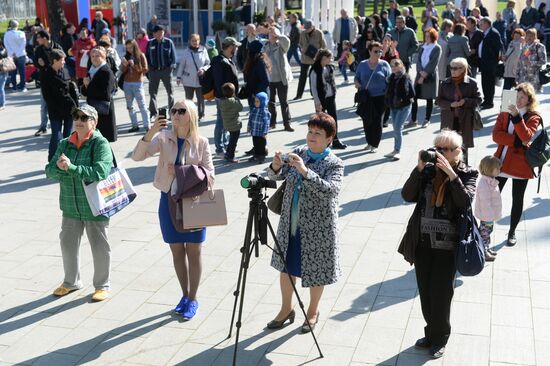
295, 208
425, 58
457, 94
73, 139
439, 183
93, 69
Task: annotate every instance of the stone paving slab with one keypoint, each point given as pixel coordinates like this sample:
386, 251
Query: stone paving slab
371, 317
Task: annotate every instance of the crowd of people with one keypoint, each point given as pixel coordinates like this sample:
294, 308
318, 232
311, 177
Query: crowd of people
378, 51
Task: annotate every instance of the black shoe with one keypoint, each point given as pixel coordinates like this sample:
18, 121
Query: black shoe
278, 324
305, 327
437, 351
40, 132
288, 128
385, 124
423, 343
133, 129
249, 152
511, 240
486, 106
297, 97
272, 127
337, 145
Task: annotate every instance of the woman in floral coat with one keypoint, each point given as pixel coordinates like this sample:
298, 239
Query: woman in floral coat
531, 60
308, 232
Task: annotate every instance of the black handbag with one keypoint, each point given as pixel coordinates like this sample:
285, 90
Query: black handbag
538, 152
101, 106
470, 252
243, 92
121, 81
275, 202
478, 123
500, 70
544, 75
311, 51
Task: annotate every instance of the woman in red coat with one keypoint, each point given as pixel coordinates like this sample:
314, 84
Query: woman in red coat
80, 47
513, 132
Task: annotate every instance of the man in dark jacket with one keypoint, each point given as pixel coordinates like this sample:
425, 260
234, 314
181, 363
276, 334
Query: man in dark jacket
42, 61
410, 21
475, 36
223, 71
529, 16
161, 58
59, 99
407, 44
294, 37
242, 52
490, 50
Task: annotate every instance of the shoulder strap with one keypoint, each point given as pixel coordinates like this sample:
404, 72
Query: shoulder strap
193, 58
112, 153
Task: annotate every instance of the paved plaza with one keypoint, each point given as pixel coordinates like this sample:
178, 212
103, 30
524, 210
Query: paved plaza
370, 317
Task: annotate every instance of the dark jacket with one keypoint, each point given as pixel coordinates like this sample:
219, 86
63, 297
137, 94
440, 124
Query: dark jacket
67, 41
400, 91
320, 81
44, 53
257, 79
223, 71
101, 87
410, 22
294, 35
57, 94
472, 99
458, 196
168, 54
474, 41
490, 50
528, 18
242, 53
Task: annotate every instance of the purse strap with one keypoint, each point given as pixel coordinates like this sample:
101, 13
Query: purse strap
115, 165
371, 75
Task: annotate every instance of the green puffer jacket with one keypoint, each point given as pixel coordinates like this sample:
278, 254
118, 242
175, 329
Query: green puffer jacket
72, 198
230, 108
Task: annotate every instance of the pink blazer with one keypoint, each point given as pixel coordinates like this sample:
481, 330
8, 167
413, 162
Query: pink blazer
166, 144
488, 206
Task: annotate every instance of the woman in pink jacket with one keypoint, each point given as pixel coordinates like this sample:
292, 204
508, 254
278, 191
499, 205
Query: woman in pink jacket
488, 207
81, 47
179, 145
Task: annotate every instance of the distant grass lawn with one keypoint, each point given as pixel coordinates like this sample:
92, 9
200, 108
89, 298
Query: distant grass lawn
418, 7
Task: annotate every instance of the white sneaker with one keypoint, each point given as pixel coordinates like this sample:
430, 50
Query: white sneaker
397, 156
425, 124
367, 148
373, 149
411, 124
392, 154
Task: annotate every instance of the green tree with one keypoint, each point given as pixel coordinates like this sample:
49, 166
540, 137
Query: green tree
56, 18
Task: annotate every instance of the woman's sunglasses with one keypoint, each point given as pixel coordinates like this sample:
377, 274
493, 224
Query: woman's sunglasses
180, 111
82, 117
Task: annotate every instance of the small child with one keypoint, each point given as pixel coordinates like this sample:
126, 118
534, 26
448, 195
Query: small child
488, 207
258, 126
343, 60
211, 49
230, 108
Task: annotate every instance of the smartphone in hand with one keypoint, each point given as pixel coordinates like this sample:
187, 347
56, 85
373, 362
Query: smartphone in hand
162, 113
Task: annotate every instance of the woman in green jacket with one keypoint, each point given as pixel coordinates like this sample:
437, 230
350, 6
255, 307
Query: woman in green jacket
84, 156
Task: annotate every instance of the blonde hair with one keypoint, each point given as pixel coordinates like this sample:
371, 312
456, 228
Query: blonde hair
528, 89
488, 164
195, 35
448, 137
460, 61
102, 51
193, 121
398, 63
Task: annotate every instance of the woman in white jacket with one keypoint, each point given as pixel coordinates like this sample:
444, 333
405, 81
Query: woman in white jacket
488, 207
192, 65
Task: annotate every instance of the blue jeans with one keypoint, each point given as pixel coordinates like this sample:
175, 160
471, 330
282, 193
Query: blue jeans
398, 118
293, 52
343, 70
3, 78
20, 69
67, 124
220, 134
43, 113
134, 90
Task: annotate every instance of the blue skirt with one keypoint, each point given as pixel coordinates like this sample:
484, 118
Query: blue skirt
294, 255
169, 232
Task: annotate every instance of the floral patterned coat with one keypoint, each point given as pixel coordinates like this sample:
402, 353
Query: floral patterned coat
318, 221
535, 53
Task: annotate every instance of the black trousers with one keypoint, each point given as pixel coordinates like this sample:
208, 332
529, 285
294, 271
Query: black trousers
259, 143
304, 69
232, 144
429, 109
435, 274
488, 78
372, 120
509, 83
518, 193
329, 106
280, 90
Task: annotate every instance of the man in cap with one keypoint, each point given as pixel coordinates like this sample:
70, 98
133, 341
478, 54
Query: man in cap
223, 71
161, 58
15, 41
311, 40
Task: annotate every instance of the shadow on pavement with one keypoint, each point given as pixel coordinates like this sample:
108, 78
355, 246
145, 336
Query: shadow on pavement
371, 203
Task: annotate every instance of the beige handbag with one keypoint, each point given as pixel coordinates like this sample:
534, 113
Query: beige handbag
208, 209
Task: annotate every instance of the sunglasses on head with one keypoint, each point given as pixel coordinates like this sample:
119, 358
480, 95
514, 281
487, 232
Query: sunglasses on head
180, 111
80, 116
445, 149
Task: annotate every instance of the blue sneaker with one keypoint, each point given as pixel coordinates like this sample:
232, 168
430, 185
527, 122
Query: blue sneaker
191, 310
182, 305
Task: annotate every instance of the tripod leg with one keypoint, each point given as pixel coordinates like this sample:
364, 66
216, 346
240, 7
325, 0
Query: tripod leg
279, 252
244, 250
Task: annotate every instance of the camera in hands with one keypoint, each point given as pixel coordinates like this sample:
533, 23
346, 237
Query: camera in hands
429, 155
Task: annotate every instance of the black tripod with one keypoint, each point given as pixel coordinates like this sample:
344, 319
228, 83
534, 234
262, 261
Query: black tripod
258, 222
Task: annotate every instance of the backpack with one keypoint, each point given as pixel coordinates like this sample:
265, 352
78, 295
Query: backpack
207, 83
538, 153
470, 252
